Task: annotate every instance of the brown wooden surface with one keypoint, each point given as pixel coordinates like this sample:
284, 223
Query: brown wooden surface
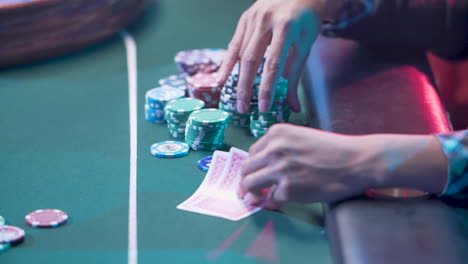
47, 28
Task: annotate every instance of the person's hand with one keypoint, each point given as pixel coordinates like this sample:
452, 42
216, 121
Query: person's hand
307, 165
290, 28
298, 164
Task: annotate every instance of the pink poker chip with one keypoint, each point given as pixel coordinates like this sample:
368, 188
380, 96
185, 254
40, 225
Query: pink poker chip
46, 218
11, 234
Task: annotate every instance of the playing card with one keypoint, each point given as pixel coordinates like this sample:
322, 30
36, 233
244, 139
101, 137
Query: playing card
217, 195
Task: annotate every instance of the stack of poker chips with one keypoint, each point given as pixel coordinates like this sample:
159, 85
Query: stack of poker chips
191, 62
177, 113
228, 97
205, 129
279, 110
176, 81
156, 99
279, 107
260, 122
204, 86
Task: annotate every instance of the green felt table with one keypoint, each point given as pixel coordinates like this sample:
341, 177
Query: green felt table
65, 143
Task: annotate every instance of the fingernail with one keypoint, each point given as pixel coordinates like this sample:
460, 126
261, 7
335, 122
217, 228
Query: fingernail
242, 107
240, 193
250, 199
263, 105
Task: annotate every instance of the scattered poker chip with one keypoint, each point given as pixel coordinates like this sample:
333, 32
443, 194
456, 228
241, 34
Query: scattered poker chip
46, 218
204, 164
170, 149
2, 220
11, 234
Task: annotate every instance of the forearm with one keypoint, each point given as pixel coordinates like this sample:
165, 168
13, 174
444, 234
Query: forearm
410, 161
437, 25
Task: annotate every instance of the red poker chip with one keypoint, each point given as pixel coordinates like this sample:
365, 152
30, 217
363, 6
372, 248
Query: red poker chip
11, 234
204, 80
46, 218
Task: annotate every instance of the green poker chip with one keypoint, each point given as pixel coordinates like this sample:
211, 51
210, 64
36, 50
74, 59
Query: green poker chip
205, 129
209, 117
177, 112
184, 105
2, 220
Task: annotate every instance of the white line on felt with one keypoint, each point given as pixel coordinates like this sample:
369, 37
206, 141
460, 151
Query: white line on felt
130, 46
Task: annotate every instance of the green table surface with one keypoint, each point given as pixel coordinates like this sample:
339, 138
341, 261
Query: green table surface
65, 143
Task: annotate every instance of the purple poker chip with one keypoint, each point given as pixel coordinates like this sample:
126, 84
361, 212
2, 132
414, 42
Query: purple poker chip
193, 61
11, 234
46, 218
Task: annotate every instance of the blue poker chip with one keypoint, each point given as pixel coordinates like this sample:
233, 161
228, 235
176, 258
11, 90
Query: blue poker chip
176, 81
170, 149
205, 163
158, 97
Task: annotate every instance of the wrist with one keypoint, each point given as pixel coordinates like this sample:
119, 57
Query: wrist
410, 161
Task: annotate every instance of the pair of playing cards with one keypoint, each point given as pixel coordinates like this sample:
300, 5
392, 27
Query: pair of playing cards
217, 195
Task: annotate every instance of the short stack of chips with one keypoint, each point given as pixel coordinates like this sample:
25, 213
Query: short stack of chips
204, 86
205, 129
177, 113
175, 81
156, 100
195, 61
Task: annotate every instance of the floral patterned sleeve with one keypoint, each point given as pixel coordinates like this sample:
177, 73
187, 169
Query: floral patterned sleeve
455, 146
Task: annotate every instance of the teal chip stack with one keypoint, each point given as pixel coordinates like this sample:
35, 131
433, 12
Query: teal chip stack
279, 107
205, 129
260, 122
177, 112
278, 113
279, 110
156, 99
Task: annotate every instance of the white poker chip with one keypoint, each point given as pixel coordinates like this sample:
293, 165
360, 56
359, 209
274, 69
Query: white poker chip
170, 149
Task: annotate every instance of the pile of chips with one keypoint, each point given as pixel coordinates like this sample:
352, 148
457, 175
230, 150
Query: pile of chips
177, 112
175, 81
279, 111
260, 122
205, 129
156, 100
41, 218
195, 61
204, 86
